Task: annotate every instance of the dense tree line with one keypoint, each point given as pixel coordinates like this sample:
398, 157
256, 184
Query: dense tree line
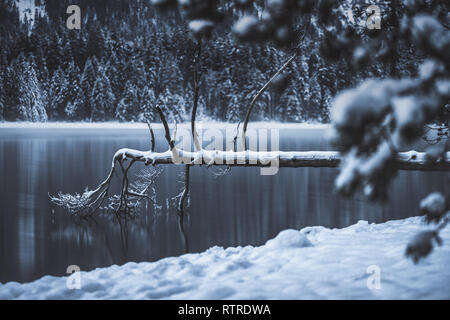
128, 57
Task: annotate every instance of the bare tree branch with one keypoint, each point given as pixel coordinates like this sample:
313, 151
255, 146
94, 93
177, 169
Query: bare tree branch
264, 88
260, 92
196, 95
183, 196
152, 135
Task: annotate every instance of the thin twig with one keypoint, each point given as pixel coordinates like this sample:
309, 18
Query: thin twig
166, 128
152, 135
196, 95
260, 92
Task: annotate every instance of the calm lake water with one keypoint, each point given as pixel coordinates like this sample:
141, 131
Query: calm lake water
238, 209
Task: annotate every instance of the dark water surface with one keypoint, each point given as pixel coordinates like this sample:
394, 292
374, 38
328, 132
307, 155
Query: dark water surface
238, 209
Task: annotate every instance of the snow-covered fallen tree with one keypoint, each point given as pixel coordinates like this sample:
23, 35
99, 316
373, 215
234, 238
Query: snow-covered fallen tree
91, 200
371, 123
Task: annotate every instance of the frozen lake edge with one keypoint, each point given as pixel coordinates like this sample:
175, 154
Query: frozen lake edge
156, 125
313, 263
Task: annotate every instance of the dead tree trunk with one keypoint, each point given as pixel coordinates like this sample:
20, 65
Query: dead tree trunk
260, 92
411, 160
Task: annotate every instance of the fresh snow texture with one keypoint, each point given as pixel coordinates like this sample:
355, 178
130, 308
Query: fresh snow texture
313, 263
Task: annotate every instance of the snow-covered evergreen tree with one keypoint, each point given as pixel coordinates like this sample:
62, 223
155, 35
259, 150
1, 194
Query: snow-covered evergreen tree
73, 90
293, 106
29, 101
127, 102
58, 94
148, 103
87, 82
102, 98
174, 106
2, 95
75, 108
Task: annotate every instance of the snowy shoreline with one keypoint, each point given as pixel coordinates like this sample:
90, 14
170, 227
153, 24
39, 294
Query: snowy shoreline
157, 125
313, 263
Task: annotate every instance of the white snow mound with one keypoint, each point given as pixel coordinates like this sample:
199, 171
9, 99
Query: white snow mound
313, 263
288, 238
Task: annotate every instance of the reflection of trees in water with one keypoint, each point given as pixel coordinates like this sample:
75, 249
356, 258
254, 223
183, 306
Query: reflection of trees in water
134, 197
138, 216
183, 202
86, 229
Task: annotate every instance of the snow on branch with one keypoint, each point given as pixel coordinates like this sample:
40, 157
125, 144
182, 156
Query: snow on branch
91, 200
411, 160
371, 122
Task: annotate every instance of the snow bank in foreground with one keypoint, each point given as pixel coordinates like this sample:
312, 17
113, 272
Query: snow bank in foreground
314, 263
